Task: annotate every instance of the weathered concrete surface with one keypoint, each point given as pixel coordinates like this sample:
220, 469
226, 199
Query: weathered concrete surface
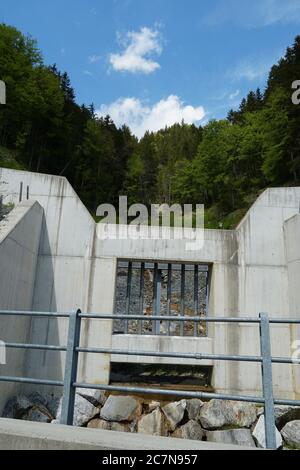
251, 270
19, 244
68, 276
291, 233
23, 435
162, 343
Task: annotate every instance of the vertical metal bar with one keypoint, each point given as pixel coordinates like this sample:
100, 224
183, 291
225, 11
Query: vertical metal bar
169, 294
141, 305
27, 192
156, 298
267, 381
196, 300
182, 294
68, 402
206, 299
128, 294
21, 191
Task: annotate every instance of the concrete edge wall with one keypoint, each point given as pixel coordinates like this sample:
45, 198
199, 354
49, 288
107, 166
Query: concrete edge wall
25, 435
292, 247
19, 244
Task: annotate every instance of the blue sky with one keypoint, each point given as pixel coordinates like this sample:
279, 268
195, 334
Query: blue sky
154, 62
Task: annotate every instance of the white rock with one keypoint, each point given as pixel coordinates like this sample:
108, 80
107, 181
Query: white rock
241, 437
84, 411
219, 413
153, 404
153, 423
191, 430
291, 434
259, 435
94, 396
193, 407
174, 413
121, 408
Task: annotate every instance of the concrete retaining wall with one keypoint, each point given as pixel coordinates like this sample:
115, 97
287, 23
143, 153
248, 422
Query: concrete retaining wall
19, 244
250, 272
24, 435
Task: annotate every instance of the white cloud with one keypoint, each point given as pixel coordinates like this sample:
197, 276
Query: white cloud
141, 117
87, 72
251, 70
94, 58
255, 13
138, 47
283, 11
234, 94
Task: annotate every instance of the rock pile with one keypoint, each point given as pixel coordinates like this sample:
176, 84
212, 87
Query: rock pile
221, 421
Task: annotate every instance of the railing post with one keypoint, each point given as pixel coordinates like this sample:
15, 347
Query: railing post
267, 381
67, 409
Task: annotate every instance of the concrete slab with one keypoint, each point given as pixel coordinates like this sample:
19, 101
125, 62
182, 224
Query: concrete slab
26, 435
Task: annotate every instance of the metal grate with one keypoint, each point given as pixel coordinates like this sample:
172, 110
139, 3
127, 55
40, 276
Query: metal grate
168, 289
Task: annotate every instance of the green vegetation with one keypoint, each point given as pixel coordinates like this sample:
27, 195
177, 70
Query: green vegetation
225, 164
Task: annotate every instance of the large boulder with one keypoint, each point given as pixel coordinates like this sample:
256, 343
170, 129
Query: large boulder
84, 411
94, 396
259, 435
241, 437
190, 430
284, 414
153, 423
17, 406
291, 434
221, 413
174, 413
32, 407
193, 406
121, 408
38, 413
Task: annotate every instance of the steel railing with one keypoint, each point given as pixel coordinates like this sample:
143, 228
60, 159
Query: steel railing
73, 349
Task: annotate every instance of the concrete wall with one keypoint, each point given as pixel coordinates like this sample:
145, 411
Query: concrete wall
263, 282
19, 243
250, 272
25, 435
68, 275
292, 245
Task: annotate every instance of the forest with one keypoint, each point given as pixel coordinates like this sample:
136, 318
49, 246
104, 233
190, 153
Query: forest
224, 164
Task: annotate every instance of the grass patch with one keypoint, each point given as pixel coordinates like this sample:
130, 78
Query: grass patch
9, 159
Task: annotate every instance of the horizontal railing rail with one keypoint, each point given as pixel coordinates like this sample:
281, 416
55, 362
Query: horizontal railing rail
73, 349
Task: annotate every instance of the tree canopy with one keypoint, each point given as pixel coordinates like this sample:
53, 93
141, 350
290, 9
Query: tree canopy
223, 164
